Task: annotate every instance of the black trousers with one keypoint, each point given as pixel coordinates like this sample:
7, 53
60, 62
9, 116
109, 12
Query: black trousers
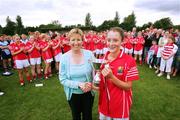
81, 104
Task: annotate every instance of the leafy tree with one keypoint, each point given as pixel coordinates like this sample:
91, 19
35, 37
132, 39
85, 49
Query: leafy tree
107, 24
20, 27
88, 22
10, 27
129, 22
116, 18
164, 23
56, 23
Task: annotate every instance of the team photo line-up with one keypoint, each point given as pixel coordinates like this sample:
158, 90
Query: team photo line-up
88, 61
156, 47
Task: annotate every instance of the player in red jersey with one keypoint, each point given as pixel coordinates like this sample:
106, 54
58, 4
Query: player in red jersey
46, 53
56, 50
20, 59
65, 43
115, 97
128, 44
34, 57
138, 47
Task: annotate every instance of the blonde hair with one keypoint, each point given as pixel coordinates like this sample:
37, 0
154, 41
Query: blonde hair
75, 31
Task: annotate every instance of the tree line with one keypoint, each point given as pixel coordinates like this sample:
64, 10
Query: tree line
128, 23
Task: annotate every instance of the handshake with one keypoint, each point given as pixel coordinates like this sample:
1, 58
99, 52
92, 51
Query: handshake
85, 87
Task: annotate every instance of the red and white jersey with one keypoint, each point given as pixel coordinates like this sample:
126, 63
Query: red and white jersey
86, 42
92, 44
119, 103
139, 42
99, 44
66, 46
54, 43
45, 54
35, 52
128, 43
169, 49
104, 43
14, 47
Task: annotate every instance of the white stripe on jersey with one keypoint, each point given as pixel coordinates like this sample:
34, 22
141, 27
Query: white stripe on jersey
132, 75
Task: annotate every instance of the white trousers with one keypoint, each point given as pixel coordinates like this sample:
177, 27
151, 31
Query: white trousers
166, 64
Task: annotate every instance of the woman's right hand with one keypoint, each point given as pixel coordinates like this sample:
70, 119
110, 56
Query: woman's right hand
85, 87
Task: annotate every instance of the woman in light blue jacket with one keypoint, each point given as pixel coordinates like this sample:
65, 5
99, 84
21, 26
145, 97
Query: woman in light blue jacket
76, 77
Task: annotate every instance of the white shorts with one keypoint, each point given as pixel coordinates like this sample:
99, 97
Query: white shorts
35, 61
49, 60
103, 117
105, 50
128, 51
20, 64
57, 57
99, 51
138, 52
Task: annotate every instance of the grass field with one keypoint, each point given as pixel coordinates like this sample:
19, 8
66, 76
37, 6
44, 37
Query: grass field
153, 99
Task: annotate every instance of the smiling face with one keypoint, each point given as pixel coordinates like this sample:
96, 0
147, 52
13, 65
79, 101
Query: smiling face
76, 41
114, 41
17, 39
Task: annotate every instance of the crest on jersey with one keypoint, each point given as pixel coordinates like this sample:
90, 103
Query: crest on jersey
120, 70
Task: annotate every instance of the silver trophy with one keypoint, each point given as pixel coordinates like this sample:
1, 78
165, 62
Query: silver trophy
96, 63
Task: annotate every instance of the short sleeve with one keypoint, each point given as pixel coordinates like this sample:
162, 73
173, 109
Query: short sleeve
132, 73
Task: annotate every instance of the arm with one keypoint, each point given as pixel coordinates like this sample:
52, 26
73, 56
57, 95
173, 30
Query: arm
3, 47
64, 80
45, 48
56, 46
30, 50
37, 47
107, 72
15, 53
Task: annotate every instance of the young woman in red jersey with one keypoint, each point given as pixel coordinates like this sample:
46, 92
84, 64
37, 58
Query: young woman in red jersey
20, 59
128, 44
115, 98
46, 53
34, 57
138, 47
56, 50
65, 43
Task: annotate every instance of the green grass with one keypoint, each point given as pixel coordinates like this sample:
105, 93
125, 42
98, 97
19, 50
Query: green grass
154, 98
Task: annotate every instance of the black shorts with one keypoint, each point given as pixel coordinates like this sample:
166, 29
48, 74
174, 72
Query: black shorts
5, 56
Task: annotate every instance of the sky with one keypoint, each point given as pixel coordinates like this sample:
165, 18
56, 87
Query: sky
71, 12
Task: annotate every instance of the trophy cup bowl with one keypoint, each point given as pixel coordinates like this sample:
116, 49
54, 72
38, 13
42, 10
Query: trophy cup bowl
96, 66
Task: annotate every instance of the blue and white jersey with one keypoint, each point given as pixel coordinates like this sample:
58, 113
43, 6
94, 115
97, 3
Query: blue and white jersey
6, 50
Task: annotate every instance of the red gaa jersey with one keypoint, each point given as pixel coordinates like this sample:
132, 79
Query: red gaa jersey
54, 44
14, 47
139, 43
34, 53
45, 54
128, 43
114, 101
